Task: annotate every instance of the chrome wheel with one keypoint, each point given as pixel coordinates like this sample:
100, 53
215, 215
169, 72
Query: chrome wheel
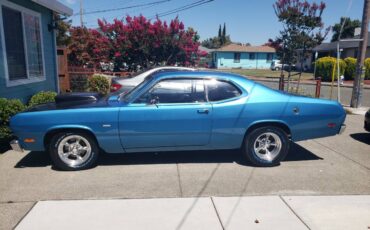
74, 150
267, 146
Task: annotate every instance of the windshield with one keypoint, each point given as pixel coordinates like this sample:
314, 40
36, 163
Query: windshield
127, 97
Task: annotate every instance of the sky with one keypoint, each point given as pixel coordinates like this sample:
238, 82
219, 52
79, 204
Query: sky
252, 21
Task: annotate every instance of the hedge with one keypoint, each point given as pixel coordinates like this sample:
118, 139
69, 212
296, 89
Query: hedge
325, 65
8, 108
99, 83
42, 97
350, 72
367, 68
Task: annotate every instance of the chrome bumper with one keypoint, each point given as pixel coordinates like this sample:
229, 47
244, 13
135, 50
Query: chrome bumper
342, 128
16, 146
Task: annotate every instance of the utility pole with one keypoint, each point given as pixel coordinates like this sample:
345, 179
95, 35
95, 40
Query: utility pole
358, 82
81, 14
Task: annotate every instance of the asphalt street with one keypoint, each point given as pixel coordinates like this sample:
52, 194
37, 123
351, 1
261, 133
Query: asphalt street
338, 165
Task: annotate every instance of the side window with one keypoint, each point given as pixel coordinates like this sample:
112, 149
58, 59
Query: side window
221, 90
175, 91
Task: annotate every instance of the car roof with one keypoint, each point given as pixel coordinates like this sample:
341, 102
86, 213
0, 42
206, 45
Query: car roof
201, 74
172, 67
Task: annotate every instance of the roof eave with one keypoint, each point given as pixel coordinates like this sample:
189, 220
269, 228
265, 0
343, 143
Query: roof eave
55, 6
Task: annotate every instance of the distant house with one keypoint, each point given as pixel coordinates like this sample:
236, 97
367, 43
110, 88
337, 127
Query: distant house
329, 49
205, 61
28, 51
245, 57
348, 48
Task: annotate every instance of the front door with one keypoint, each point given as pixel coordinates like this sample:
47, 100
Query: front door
173, 113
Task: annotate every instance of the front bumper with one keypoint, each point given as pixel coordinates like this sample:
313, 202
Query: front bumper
342, 128
16, 146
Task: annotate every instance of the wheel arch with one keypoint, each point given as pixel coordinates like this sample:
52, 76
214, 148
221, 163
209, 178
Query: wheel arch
51, 132
279, 124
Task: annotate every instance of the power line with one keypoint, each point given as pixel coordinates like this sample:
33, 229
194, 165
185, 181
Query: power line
123, 8
182, 8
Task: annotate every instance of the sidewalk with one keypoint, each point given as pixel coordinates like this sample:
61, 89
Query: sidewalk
253, 212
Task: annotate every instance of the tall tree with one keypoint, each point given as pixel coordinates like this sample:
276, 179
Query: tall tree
302, 28
224, 34
217, 41
348, 28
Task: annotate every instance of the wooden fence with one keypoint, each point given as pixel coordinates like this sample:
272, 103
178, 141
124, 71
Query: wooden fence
75, 78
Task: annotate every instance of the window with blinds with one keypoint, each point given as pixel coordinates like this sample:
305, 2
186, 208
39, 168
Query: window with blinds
23, 44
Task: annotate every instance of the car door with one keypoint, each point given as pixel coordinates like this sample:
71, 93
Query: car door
173, 113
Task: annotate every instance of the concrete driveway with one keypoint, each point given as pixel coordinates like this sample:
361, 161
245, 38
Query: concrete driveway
330, 166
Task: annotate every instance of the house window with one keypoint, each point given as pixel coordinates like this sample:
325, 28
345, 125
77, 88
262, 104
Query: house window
236, 57
252, 56
269, 57
21, 37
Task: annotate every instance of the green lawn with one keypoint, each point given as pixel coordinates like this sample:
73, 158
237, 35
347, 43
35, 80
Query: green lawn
267, 73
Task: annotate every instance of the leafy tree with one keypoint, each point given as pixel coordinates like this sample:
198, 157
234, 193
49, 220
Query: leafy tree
137, 42
302, 28
62, 31
88, 47
219, 41
348, 28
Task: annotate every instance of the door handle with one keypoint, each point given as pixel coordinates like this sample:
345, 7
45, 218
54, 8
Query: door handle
206, 111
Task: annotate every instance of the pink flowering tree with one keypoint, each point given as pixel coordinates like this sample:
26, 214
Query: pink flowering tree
88, 47
138, 41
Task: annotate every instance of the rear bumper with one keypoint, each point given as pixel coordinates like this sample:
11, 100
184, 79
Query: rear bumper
16, 146
342, 128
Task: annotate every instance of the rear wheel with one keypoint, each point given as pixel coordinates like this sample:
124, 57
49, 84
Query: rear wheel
266, 146
73, 151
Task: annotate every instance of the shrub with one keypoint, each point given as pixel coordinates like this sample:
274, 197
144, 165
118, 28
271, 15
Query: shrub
42, 97
98, 83
367, 68
350, 71
325, 65
8, 108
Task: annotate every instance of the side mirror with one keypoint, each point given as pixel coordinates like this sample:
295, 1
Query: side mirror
154, 100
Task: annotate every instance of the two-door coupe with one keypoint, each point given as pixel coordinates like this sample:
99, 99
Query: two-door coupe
173, 111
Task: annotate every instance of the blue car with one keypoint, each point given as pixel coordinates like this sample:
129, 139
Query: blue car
173, 111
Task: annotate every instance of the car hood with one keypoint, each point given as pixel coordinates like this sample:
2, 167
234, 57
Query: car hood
72, 101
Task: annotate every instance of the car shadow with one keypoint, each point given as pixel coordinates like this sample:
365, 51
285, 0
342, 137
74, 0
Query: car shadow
296, 153
362, 137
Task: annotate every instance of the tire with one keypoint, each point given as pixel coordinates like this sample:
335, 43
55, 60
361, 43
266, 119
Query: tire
277, 68
80, 151
266, 153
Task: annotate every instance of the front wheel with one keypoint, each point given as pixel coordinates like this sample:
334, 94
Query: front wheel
266, 146
73, 151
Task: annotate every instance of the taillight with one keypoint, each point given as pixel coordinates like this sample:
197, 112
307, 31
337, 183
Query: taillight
115, 87
331, 125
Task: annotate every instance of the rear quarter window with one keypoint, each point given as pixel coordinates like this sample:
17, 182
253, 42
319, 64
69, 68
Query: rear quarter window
221, 90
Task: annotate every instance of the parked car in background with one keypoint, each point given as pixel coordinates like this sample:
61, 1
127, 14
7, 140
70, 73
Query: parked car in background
124, 85
277, 65
367, 121
177, 111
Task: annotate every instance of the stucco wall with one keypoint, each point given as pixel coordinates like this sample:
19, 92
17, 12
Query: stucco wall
225, 60
24, 92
